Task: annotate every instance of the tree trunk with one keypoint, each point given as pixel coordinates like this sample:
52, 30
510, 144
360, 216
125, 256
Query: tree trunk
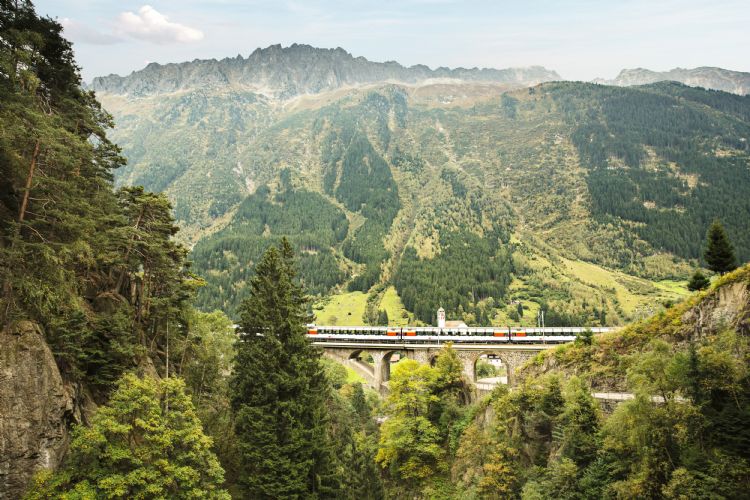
127, 253
29, 180
7, 288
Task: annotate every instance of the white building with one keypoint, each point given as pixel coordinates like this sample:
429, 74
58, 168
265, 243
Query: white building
442, 323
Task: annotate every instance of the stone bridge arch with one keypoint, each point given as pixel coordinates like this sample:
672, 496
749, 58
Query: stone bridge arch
511, 359
352, 357
383, 365
356, 354
490, 352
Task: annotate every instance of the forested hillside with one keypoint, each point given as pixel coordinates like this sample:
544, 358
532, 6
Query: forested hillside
92, 281
665, 159
538, 197
95, 267
311, 222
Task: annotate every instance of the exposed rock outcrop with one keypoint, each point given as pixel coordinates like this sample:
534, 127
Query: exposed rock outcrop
726, 307
36, 408
285, 72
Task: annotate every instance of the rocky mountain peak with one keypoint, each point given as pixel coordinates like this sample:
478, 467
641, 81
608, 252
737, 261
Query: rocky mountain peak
284, 72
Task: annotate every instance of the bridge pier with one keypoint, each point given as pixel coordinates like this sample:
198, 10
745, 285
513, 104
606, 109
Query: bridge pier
423, 356
382, 369
512, 357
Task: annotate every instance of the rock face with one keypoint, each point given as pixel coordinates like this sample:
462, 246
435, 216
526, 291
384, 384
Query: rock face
735, 82
728, 307
36, 408
299, 69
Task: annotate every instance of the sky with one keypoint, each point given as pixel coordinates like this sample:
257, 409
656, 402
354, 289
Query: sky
580, 39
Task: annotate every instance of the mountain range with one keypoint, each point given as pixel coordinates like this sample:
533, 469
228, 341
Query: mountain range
298, 69
494, 193
285, 72
735, 82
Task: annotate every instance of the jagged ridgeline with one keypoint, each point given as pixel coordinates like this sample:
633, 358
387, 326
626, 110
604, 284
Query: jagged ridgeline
479, 193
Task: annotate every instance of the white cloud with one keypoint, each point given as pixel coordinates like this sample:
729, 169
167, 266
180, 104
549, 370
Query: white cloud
79, 32
150, 25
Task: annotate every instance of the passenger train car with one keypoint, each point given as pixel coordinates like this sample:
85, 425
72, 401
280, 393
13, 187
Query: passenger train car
430, 334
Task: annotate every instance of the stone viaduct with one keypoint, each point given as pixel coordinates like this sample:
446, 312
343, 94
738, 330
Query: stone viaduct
377, 374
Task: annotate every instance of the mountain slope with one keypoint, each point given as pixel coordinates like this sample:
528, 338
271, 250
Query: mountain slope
679, 429
735, 82
472, 195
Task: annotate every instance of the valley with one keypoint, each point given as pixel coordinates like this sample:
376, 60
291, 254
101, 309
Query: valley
563, 195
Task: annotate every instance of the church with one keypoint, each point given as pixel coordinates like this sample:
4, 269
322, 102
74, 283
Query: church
442, 323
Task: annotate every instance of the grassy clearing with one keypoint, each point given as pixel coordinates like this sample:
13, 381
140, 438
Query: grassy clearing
678, 288
346, 309
603, 278
632, 293
392, 305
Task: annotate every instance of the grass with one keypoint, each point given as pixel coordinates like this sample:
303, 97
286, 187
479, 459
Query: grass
392, 305
352, 377
600, 277
678, 288
631, 292
346, 309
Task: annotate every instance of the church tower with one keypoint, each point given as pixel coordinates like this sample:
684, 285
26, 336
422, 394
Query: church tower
441, 318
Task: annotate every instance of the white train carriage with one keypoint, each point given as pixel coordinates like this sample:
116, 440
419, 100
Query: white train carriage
428, 334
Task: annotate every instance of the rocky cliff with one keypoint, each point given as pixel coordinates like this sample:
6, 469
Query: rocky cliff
735, 82
284, 72
36, 408
698, 320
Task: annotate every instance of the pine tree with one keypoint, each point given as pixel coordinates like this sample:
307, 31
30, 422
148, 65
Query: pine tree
719, 252
97, 269
586, 337
698, 281
279, 390
147, 442
359, 403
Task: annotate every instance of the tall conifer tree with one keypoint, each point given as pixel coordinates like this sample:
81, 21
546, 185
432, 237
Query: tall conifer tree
279, 390
719, 253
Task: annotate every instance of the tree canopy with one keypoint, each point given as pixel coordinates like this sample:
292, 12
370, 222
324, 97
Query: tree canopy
147, 442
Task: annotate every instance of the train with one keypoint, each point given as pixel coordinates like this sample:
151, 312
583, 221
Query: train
464, 335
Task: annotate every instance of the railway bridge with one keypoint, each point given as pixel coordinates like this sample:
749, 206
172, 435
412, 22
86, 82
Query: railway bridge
513, 346
378, 373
